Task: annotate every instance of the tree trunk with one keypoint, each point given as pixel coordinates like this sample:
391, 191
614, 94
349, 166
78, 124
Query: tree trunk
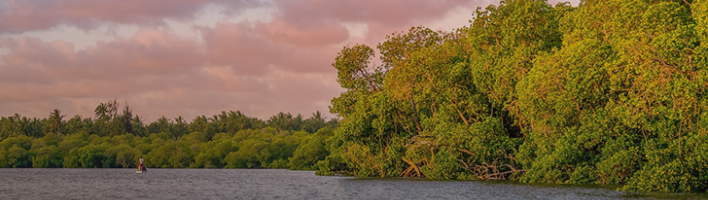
415, 111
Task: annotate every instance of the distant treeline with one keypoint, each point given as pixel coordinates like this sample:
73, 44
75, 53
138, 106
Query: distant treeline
609, 92
115, 137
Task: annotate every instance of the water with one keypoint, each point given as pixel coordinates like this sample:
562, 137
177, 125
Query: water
274, 184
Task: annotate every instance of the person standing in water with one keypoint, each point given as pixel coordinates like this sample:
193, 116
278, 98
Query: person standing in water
141, 164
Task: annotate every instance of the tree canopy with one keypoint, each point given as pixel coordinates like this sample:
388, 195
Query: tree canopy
609, 92
113, 139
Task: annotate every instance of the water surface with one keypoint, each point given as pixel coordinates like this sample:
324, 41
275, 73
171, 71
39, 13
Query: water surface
274, 184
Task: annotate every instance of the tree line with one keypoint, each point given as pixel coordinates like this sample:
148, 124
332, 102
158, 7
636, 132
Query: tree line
608, 92
116, 138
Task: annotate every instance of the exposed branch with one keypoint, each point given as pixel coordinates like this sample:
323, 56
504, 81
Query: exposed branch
415, 110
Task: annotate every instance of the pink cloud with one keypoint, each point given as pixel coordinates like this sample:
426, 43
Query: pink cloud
382, 17
20, 16
260, 68
284, 92
148, 52
317, 34
253, 49
391, 12
156, 71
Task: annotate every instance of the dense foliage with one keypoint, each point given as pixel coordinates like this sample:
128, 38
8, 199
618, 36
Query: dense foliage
609, 92
118, 139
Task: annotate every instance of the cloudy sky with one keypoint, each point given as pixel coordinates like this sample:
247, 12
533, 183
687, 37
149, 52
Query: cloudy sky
194, 57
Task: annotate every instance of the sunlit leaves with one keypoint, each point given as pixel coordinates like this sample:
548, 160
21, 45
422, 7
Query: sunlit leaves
610, 92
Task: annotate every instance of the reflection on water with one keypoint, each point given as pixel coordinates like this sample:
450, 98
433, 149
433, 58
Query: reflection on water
275, 184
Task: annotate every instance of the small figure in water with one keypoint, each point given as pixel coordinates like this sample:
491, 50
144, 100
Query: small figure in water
141, 165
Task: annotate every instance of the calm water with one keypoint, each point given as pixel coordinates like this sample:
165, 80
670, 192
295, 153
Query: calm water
273, 184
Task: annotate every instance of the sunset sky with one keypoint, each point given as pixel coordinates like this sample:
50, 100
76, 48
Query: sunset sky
194, 57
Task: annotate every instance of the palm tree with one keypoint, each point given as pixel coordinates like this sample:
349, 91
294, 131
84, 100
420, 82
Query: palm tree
56, 119
281, 121
179, 128
315, 123
138, 126
74, 125
101, 110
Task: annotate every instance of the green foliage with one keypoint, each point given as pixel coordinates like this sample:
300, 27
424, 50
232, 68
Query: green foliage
118, 140
311, 151
616, 104
446, 106
443, 165
609, 92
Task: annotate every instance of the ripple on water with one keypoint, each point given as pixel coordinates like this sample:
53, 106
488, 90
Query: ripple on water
274, 184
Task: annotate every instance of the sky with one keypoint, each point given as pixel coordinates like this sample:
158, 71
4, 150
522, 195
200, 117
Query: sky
194, 57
